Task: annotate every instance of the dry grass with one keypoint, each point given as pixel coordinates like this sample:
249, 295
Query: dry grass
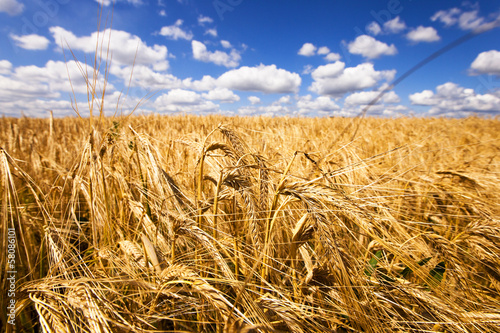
268, 225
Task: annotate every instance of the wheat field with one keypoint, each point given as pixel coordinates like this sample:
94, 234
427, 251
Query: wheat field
218, 224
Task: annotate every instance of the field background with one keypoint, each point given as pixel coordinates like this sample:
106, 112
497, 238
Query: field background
186, 223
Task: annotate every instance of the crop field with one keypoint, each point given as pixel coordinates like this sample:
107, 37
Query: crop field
218, 224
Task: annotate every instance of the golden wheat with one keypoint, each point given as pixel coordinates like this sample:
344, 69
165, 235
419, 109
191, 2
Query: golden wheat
153, 223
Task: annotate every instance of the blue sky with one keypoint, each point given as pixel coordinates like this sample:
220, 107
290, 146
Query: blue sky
250, 57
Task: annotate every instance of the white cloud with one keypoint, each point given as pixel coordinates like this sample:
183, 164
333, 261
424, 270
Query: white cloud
205, 84
335, 80
265, 110
307, 69
306, 104
175, 31
180, 100
331, 57
144, 76
486, 63
254, 100
267, 79
283, 100
448, 17
394, 26
367, 97
204, 19
328, 71
425, 97
109, 2
452, 100
468, 20
34, 90
211, 32
126, 48
323, 50
380, 110
162, 13
423, 34
55, 76
37, 108
222, 95
307, 50
31, 42
220, 58
13, 89
11, 7
181, 97
370, 48
5, 67
225, 44
374, 28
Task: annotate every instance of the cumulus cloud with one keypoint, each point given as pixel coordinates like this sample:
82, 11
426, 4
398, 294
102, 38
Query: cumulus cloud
206, 83
423, 34
220, 58
450, 99
283, 100
466, 20
486, 63
394, 26
212, 32
331, 57
307, 69
267, 79
470, 20
323, 50
328, 71
254, 100
37, 108
109, 2
448, 17
11, 7
5, 67
181, 97
222, 95
425, 97
307, 104
34, 89
307, 50
31, 42
265, 110
370, 48
144, 76
180, 100
55, 76
335, 80
13, 89
175, 31
367, 97
379, 110
202, 20
126, 48
225, 44
374, 28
